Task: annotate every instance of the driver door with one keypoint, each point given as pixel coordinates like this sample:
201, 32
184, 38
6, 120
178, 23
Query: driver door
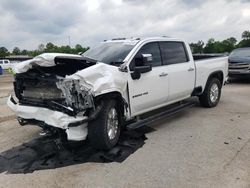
150, 91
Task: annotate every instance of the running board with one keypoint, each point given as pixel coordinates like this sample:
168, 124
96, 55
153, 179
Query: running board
160, 115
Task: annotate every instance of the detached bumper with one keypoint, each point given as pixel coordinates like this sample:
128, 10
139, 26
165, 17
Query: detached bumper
52, 118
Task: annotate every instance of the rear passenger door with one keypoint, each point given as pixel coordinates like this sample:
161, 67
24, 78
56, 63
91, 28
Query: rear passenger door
181, 70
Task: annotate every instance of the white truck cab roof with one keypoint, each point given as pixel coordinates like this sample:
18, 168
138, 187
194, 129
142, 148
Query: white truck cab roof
134, 40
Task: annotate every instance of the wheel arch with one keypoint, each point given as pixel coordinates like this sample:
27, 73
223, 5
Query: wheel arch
217, 74
116, 95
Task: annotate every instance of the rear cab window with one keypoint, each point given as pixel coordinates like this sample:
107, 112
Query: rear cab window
173, 52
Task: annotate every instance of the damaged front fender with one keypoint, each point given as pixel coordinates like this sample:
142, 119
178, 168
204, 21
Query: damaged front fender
77, 94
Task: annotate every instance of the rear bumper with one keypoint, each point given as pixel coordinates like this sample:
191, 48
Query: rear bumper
39, 115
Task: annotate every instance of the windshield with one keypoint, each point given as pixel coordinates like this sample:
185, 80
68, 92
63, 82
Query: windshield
241, 53
110, 52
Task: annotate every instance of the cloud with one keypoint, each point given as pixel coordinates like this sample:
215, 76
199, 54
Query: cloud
27, 23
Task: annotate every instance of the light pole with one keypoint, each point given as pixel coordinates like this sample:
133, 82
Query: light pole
69, 41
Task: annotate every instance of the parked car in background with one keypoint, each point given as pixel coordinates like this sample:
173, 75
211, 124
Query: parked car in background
6, 64
239, 62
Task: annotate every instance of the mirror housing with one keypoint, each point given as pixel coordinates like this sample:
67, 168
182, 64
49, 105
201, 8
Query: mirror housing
143, 69
142, 65
147, 58
143, 59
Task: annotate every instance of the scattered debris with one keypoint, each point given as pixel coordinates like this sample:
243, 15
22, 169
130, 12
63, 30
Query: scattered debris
48, 153
239, 138
226, 143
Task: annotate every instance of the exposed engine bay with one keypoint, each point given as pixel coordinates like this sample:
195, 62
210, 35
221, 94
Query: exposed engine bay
47, 87
62, 92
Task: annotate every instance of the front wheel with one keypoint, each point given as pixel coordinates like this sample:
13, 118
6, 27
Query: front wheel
104, 131
211, 95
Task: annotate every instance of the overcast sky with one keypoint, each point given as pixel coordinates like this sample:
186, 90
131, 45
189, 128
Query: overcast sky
28, 23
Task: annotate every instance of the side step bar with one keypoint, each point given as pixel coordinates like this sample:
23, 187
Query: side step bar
160, 115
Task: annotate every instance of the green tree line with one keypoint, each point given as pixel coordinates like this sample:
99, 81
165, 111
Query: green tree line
227, 45
212, 46
49, 47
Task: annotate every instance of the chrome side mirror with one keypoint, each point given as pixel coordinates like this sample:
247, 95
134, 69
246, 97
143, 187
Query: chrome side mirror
147, 58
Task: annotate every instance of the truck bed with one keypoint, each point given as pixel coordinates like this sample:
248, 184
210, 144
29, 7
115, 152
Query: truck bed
206, 66
198, 57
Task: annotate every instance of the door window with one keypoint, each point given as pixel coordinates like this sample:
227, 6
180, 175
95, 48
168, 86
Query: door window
149, 48
173, 52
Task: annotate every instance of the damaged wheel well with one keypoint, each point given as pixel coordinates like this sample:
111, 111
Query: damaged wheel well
122, 104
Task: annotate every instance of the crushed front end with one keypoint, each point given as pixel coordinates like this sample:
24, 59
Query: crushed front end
46, 98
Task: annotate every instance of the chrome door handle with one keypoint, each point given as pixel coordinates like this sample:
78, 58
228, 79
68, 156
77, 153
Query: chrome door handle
191, 69
163, 74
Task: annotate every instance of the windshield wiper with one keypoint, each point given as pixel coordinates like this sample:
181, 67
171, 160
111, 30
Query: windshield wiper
89, 59
116, 63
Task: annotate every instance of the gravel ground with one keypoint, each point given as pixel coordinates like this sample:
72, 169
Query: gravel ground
197, 147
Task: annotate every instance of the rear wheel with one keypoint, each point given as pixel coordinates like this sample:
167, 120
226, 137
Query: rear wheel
211, 95
104, 131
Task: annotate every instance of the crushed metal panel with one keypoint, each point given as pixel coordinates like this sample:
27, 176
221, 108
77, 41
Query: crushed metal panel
44, 60
77, 94
50, 117
102, 78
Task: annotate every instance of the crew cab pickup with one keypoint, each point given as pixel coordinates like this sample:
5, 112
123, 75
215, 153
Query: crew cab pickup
96, 94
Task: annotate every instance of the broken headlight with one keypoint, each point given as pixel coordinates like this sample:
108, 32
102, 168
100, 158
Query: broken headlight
77, 94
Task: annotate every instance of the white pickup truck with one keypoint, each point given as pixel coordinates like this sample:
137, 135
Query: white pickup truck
96, 94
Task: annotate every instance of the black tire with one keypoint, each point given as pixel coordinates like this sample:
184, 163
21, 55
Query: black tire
205, 99
98, 128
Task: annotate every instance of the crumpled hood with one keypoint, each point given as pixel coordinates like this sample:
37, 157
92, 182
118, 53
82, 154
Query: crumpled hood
44, 60
102, 78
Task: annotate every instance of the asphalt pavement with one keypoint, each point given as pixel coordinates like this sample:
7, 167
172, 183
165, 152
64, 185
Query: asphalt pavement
197, 147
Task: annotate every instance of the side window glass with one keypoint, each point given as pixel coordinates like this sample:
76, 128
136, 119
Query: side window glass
6, 62
173, 53
149, 48
1, 62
